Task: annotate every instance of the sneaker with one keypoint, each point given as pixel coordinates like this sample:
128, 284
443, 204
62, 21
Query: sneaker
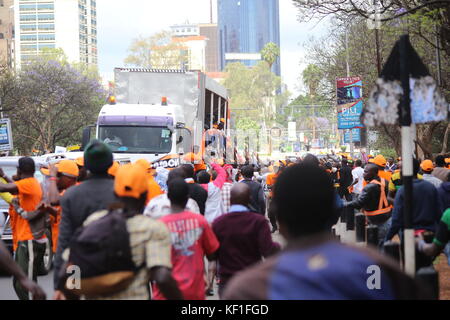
209, 292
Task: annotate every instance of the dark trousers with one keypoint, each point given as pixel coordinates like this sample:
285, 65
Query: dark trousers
29, 256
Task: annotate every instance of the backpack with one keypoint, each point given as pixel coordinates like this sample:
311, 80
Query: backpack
101, 250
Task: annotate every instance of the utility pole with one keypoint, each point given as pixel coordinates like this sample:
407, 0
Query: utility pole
352, 145
377, 37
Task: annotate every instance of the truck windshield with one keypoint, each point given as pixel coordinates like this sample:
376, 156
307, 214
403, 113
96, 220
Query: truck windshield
124, 139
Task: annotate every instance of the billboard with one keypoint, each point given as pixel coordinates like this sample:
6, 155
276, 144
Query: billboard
6, 142
356, 136
349, 102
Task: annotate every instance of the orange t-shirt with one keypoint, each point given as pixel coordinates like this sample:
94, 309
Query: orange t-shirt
30, 195
385, 175
153, 189
55, 224
271, 180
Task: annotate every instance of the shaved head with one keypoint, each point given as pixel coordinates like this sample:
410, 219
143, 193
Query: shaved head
370, 171
240, 194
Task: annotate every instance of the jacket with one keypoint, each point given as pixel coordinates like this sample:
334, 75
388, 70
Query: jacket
369, 201
78, 203
426, 208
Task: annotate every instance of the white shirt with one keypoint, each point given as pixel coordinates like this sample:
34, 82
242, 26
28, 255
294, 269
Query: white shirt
159, 207
358, 173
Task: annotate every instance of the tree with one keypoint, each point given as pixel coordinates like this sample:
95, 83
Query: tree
51, 102
383, 11
330, 58
312, 76
158, 51
253, 91
270, 53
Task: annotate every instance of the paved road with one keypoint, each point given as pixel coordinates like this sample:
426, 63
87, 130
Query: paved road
46, 282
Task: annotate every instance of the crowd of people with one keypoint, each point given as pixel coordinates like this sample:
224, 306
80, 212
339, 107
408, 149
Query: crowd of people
137, 232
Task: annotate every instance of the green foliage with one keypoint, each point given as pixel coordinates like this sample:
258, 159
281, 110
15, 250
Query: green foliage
312, 76
270, 53
253, 91
49, 102
328, 54
247, 124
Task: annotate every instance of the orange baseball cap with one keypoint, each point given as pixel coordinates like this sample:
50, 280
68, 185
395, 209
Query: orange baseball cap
379, 160
427, 165
80, 161
113, 169
201, 166
66, 167
131, 181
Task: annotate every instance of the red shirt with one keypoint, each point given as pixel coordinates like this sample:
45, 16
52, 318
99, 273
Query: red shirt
192, 239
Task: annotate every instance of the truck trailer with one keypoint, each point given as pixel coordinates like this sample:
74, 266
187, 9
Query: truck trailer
163, 116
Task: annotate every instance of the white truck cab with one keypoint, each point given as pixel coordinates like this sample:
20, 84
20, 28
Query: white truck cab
155, 132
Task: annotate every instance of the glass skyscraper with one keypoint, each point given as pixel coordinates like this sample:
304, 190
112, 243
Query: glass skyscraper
245, 27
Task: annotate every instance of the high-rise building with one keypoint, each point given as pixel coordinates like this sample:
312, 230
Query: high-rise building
7, 33
245, 27
204, 31
67, 24
211, 32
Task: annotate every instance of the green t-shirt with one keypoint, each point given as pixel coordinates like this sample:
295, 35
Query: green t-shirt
443, 230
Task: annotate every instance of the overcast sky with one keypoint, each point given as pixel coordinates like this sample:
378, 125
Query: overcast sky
119, 22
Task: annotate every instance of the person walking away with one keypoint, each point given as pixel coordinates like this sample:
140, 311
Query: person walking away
192, 239
160, 206
441, 170
30, 240
78, 202
226, 188
214, 206
440, 241
358, 179
62, 176
314, 265
150, 243
444, 193
426, 210
257, 200
196, 192
427, 169
8, 265
244, 236
374, 202
345, 180
270, 182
